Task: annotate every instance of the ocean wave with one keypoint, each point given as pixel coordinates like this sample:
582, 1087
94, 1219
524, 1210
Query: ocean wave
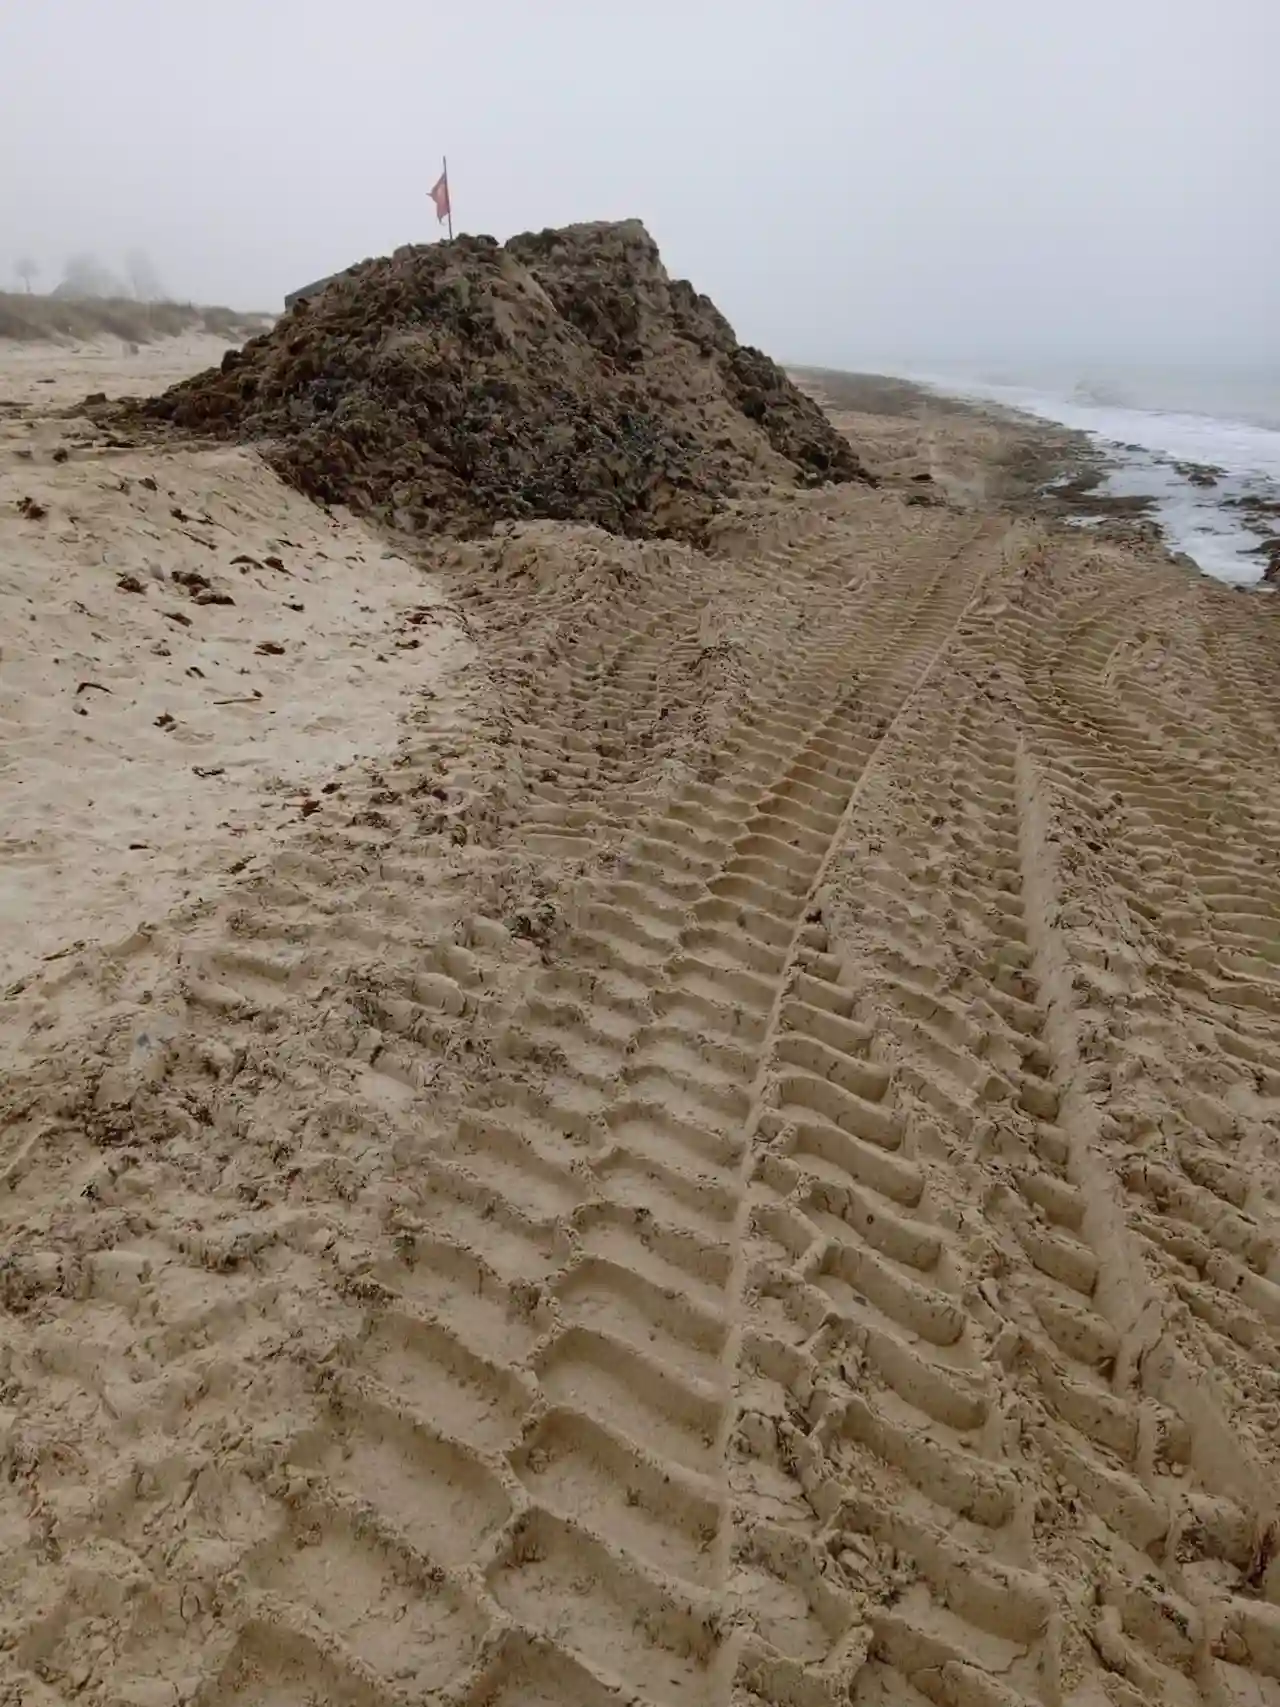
1248, 448
1150, 450
1099, 395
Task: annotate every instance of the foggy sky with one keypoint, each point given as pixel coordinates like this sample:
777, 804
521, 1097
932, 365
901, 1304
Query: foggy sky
854, 181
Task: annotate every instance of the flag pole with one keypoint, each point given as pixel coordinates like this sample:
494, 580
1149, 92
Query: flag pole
448, 199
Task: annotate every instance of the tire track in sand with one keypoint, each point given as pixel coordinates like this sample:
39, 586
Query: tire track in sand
765, 1327
554, 1332
1070, 1366
349, 905
1192, 1147
1130, 1419
864, 1251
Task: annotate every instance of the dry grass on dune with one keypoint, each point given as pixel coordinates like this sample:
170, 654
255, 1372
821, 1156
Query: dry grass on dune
30, 319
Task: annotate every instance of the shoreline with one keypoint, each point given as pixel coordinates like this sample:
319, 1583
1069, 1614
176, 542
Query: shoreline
1024, 464
1225, 522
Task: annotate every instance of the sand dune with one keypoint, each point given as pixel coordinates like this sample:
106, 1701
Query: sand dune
191, 652
48, 375
739, 1165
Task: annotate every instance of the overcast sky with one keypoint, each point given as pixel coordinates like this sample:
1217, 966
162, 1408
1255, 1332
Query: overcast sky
851, 181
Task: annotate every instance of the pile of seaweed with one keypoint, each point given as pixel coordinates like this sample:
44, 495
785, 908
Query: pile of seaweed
562, 375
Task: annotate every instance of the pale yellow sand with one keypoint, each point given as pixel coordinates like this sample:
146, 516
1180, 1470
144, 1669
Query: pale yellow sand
147, 738
738, 1165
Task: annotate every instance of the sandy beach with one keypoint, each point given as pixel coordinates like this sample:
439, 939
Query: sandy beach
613, 1120
192, 652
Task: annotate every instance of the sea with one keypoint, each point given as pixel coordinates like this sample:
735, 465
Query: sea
1150, 420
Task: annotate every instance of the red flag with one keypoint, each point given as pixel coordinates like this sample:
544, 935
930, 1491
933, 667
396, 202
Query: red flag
440, 196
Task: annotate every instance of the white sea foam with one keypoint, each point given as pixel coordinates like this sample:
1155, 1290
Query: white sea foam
1145, 443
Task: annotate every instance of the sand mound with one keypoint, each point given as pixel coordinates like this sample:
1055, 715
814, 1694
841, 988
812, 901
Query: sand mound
561, 376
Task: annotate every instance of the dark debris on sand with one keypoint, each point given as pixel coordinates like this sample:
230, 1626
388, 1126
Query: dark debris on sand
562, 375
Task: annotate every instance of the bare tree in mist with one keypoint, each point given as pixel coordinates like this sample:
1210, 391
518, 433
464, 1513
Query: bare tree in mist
86, 279
26, 269
144, 281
